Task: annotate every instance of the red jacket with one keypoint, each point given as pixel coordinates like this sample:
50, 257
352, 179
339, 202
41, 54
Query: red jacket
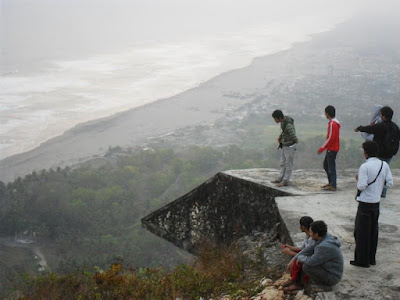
332, 137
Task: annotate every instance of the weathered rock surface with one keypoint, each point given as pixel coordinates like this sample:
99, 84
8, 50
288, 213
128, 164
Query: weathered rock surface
338, 210
245, 197
221, 210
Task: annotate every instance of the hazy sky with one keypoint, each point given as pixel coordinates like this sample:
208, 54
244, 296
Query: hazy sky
38, 29
44, 29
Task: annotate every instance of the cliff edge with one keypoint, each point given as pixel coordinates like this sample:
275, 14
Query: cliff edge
235, 203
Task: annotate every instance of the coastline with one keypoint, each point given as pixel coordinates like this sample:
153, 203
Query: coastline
261, 86
67, 93
201, 105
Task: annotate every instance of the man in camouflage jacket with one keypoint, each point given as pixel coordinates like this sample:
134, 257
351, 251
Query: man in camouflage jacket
287, 141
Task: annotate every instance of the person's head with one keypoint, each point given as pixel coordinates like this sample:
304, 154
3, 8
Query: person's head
330, 112
386, 113
370, 149
318, 230
278, 116
305, 223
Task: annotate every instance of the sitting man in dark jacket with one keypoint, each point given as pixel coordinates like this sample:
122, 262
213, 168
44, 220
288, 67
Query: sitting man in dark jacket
322, 261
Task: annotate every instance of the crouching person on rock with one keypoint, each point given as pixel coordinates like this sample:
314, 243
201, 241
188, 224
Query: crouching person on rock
305, 223
321, 262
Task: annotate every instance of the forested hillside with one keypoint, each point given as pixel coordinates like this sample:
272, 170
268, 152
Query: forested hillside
90, 215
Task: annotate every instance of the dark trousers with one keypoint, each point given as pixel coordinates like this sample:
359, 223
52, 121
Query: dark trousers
366, 233
330, 167
388, 162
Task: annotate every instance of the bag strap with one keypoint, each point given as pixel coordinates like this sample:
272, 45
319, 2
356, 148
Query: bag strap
376, 175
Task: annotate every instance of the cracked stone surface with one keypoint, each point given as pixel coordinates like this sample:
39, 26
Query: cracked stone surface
338, 210
302, 197
221, 210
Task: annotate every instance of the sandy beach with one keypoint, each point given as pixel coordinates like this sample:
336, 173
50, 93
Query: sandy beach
203, 105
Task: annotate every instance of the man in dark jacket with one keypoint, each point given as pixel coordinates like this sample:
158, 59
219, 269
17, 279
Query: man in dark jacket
381, 131
287, 141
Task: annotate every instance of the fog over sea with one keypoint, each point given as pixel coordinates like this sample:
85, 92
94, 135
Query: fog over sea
73, 61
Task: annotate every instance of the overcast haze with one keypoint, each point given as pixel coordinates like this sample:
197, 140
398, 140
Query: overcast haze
42, 29
45, 29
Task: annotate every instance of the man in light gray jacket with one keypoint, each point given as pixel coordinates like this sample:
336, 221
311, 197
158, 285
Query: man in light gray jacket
322, 261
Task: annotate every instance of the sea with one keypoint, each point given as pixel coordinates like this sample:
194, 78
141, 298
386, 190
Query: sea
67, 62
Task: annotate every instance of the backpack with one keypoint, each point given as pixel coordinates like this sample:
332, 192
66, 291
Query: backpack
391, 139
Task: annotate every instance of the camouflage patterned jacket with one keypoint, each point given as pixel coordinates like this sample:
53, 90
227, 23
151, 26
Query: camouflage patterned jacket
288, 135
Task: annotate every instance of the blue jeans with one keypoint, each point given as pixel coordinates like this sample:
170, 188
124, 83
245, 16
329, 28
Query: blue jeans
388, 162
330, 167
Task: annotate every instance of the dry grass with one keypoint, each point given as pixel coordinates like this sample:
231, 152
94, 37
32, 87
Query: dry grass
217, 270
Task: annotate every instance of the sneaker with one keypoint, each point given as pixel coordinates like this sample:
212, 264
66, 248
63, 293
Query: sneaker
281, 184
276, 181
325, 186
329, 188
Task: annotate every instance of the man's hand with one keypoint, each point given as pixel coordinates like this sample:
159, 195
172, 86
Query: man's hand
356, 129
319, 151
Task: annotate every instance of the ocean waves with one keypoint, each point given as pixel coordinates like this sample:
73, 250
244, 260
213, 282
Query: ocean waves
36, 107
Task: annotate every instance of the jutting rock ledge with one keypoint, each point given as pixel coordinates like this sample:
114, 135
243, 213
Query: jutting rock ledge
235, 204
222, 209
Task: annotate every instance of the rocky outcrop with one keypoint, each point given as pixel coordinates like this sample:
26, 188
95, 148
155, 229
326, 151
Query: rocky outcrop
241, 193
221, 210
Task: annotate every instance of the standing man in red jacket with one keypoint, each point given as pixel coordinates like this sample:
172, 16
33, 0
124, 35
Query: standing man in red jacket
331, 146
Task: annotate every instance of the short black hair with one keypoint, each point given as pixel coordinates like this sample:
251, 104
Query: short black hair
331, 111
319, 227
306, 221
387, 112
277, 114
371, 148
